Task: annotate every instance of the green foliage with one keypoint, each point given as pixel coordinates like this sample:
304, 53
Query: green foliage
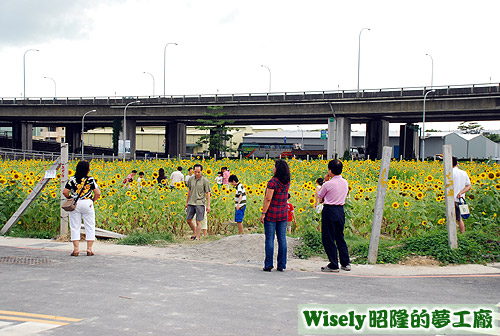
117, 128
146, 238
311, 244
492, 136
470, 127
19, 232
218, 137
473, 247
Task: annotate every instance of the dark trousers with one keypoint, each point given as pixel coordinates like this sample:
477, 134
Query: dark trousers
332, 235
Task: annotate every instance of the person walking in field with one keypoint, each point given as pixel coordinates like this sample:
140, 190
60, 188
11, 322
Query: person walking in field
176, 177
198, 200
333, 193
461, 184
240, 202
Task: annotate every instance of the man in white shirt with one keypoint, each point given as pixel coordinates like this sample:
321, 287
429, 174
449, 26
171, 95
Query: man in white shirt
461, 184
190, 173
176, 176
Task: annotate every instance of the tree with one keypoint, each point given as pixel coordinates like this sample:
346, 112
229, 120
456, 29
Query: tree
218, 137
492, 136
470, 127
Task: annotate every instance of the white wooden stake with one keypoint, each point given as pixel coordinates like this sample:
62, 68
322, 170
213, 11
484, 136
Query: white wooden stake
451, 222
63, 228
379, 204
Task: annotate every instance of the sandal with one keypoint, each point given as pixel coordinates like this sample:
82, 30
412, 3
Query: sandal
74, 254
90, 253
193, 238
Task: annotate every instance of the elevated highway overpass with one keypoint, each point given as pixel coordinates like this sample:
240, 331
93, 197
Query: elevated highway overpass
377, 108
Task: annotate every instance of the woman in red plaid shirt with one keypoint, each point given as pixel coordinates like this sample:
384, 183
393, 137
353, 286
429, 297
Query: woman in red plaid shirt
274, 215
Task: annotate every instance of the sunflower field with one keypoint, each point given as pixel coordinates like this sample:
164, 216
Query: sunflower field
414, 202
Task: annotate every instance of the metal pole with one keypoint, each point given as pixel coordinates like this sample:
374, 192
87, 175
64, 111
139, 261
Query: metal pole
153, 77
24, 71
359, 56
83, 128
263, 66
164, 64
423, 125
55, 85
432, 70
125, 125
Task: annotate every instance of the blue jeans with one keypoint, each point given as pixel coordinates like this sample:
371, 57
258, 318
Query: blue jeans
270, 228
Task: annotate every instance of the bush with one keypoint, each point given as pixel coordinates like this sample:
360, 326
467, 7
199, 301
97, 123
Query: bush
146, 238
473, 247
310, 244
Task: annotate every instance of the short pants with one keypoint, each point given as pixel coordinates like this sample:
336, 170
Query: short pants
199, 210
238, 214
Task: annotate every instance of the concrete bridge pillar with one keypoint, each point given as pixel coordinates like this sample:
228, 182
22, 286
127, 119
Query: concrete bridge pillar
175, 139
73, 138
22, 135
131, 135
339, 137
408, 141
377, 136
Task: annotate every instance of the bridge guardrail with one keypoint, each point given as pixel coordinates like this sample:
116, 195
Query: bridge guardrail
258, 97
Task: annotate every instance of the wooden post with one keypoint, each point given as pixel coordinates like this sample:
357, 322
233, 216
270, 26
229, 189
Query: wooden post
379, 204
63, 225
31, 198
451, 222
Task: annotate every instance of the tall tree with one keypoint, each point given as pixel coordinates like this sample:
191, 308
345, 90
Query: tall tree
470, 127
218, 137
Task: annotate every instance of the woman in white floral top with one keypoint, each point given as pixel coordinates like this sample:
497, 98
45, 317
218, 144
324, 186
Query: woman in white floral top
84, 207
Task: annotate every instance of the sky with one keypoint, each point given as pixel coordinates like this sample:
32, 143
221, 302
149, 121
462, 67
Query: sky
103, 48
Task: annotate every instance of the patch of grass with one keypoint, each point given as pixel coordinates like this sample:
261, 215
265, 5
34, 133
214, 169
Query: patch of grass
147, 238
473, 247
31, 234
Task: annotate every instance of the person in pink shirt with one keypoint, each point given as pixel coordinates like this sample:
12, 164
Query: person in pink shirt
333, 194
225, 175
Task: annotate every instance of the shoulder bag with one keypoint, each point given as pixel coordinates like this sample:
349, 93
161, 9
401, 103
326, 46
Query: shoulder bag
70, 203
464, 208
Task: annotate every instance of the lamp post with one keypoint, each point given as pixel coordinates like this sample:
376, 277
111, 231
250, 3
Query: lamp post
432, 70
153, 77
423, 126
24, 71
83, 127
55, 86
263, 66
164, 63
359, 55
125, 125
302, 136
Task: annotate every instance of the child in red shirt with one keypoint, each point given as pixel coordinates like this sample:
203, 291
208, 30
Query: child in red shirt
291, 216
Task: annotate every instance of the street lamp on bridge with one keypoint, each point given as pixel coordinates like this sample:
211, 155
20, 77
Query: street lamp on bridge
24, 71
125, 126
55, 86
423, 125
83, 127
359, 55
300, 128
153, 77
432, 71
263, 66
164, 63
